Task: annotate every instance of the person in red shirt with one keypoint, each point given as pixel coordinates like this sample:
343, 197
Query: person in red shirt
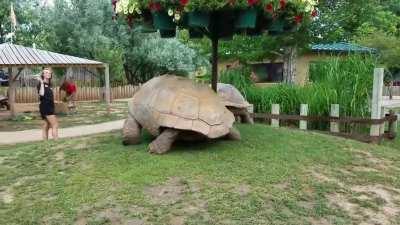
70, 89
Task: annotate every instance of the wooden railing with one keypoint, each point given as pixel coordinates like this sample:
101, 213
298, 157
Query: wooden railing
336, 122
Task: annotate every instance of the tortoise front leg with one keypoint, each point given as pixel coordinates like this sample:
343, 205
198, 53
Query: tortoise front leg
246, 118
164, 141
131, 131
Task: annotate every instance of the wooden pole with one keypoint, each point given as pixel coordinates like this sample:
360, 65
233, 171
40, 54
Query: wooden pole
275, 111
214, 78
303, 112
377, 103
107, 86
335, 112
12, 92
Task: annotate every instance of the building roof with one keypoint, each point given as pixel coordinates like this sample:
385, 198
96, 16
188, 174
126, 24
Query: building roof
12, 55
341, 47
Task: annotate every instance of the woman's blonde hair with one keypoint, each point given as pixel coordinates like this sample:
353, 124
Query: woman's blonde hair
51, 71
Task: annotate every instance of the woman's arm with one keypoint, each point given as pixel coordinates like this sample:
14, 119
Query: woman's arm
41, 88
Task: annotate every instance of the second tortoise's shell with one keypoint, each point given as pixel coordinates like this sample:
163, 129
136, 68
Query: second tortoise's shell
177, 102
231, 96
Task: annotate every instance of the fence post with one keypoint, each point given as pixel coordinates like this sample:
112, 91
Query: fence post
335, 112
392, 125
377, 103
382, 127
275, 111
303, 112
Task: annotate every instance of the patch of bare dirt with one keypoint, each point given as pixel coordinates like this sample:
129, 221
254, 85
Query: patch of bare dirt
112, 215
51, 219
387, 212
177, 220
364, 169
324, 178
282, 186
81, 221
242, 189
319, 221
6, 195
167, 194
60, 156
306, 204
373, 161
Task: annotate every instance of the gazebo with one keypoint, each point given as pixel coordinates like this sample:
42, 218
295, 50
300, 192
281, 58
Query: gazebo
17, 57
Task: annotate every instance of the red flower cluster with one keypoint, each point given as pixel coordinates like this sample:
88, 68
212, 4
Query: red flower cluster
183, 2
314, 13
269, 8
252, 2
298, 19
282, 4
155, 6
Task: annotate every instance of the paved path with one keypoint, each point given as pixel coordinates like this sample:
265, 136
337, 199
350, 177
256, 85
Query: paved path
36, 135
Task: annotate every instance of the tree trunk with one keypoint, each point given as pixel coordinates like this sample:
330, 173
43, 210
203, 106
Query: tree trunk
214, 78
289, 67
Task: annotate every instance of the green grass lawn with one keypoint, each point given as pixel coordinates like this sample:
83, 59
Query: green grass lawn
271, 176
87, 113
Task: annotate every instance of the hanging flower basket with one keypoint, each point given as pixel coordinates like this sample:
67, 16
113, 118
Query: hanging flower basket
162, 21
276, 27
198, 19
260, 28
168, 33
246, 19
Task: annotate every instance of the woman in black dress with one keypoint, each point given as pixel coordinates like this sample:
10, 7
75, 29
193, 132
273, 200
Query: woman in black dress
46, 105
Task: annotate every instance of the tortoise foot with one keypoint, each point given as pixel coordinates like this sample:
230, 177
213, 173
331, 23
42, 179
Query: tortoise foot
163, 142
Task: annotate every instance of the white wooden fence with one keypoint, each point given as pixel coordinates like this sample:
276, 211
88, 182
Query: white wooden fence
30, 95
395, 91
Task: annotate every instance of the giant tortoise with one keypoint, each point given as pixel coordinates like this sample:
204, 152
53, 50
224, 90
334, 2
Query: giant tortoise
171, 107
234, 101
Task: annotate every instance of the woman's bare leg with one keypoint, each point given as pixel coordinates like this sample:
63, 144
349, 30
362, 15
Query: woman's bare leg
54, 125
45, 130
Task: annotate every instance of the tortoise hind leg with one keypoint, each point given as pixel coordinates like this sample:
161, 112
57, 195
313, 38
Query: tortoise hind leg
131, 131
233, 134
164, 141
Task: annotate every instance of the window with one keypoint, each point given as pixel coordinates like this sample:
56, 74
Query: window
268, 73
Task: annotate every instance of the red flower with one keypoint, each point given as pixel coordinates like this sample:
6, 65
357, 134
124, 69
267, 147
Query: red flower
282, 4
114, 3
298, 19
184, 2
314, 13
129, 20
155, 6
269, 8
252, 2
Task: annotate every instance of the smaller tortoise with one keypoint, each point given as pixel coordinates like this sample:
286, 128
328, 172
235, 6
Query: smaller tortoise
171, 107
235, 102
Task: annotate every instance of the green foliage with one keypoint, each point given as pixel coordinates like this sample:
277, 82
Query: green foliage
347, 82
153, 56
388, 46
238, 77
